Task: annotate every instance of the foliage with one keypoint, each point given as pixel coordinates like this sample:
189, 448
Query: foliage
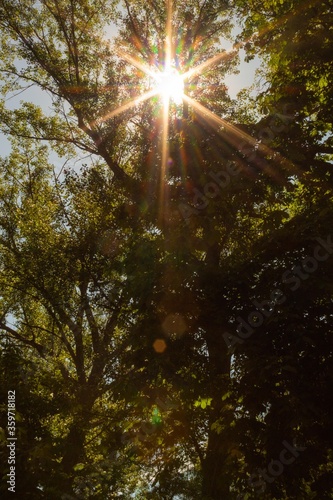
120, 279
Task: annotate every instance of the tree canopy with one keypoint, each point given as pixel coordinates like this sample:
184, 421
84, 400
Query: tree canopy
166, 267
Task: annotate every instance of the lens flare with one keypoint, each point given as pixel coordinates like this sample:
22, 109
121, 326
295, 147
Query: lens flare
170, 85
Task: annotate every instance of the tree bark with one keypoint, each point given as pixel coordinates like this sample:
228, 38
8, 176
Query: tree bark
216, 478
75, 442
215, 471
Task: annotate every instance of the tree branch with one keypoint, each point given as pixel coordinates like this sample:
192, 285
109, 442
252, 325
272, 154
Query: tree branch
39, 348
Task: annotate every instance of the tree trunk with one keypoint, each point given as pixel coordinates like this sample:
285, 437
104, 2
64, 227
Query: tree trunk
216, 467
75, 442
216, 473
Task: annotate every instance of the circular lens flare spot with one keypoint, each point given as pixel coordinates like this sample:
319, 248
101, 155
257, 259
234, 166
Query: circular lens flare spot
159, 345
174, 324
170, 85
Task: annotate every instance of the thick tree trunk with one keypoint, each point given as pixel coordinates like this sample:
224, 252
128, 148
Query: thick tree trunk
75, 442
216, 467
215, 482
74, 452
216, 473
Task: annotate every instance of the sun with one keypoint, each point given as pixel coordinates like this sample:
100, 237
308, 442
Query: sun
170, 85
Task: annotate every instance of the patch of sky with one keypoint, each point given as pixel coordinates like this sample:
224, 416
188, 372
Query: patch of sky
32, 93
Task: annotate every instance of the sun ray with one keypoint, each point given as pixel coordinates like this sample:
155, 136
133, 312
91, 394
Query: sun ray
164, 154
219, 121
239, 135
168, 38
210, 62
135, 62
165, 136
127, 105
166, 107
